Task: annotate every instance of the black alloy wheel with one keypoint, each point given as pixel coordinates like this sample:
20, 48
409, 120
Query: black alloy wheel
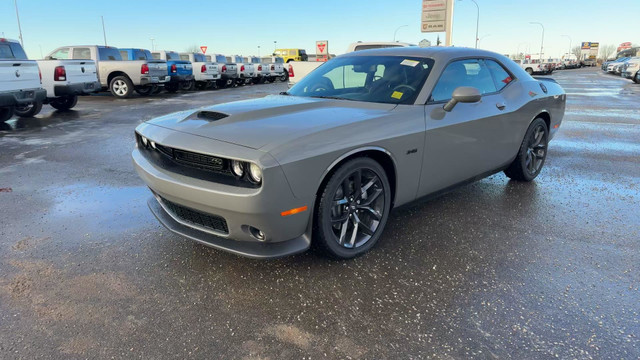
532, 154
353, 209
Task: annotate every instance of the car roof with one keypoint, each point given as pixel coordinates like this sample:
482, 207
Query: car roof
438, 53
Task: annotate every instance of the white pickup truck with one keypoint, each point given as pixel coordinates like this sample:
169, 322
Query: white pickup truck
534, 66
261, 71
20, 83
205, 72
246, 71
228, 72
299, 69
277, 68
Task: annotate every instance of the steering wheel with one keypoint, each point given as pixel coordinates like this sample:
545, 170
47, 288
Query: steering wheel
404, 86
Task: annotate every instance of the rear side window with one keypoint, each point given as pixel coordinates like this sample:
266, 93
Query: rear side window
81, 53
184, 57
199, 58
61, 54
12, 51
173, 56
501, 77
221, 59
156, 56
109, 54
123, 54
469, 72
139, 55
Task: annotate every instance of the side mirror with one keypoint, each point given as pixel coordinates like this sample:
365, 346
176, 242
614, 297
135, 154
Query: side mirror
462, 94
48, 57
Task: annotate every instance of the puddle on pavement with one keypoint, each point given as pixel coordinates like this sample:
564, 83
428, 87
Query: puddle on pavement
100, 209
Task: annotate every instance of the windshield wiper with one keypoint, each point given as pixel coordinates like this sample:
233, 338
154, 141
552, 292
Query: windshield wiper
331, 97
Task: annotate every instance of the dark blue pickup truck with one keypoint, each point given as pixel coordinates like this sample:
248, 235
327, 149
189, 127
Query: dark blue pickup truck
181, 71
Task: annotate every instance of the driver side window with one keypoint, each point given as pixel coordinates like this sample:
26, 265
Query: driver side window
468, 72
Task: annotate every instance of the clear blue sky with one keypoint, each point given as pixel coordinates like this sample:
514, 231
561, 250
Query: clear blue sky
177, 25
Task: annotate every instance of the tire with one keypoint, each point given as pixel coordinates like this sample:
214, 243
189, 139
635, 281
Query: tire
27, 110
6, 113
284, 77
202, 85
187, 85
64, 103
121, 87
146, 91
529, 162
529, 71
636, 79
172, 87
336, 238
157, 90
222, 84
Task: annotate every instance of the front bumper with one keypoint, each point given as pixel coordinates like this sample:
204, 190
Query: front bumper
76, 89
19, 97
239, 207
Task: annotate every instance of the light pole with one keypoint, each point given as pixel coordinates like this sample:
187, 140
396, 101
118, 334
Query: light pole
275, 45
258, 50
15, 2
152, 45
541, 41
567, 36
104, 32
477, 21
395, 32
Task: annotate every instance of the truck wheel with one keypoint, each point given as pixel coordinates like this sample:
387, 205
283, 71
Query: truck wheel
529, 71
284, 77
64, 103
28, 110
146, 91
121, 87
171, 87
187, 85
636, 79
6, 113
222, 84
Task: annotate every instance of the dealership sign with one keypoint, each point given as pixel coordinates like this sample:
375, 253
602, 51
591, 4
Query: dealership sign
434, 15
321, 47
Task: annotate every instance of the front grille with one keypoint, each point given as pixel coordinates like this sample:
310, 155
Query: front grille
198, 160
195, 217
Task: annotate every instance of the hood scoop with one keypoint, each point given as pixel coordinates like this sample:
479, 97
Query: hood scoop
208, 115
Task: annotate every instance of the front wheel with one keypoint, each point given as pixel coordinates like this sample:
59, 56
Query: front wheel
28, 110
6, 113
64, 103
352, 209
532, 153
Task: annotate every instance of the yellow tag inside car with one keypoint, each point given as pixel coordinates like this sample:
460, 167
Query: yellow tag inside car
397, 95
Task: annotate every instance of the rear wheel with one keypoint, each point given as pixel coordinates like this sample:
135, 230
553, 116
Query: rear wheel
146, 91
529, 71
532, 153
352, 209
222, 84
28, 110
121, 87
284, 77
64, 103
636, 79
187, 85
6, 113
171, 87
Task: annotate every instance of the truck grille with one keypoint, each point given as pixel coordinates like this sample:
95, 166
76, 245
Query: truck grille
195, 217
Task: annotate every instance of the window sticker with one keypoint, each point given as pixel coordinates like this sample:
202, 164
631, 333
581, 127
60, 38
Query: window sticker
397, 95
409, 62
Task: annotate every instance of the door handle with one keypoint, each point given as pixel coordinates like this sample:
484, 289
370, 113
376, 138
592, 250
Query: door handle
501, 106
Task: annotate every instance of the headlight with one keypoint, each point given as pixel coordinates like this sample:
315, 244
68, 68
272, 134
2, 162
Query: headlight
255, 173
144, 140
237, 168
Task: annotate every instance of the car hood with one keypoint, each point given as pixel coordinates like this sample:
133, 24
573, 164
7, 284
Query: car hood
271, 120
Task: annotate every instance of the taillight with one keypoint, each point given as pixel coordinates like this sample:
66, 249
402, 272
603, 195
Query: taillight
273, 68
174, 68
291, 71
259, 67
203, 69
40, 73
59, 74
144, 69
224, 68
242, 68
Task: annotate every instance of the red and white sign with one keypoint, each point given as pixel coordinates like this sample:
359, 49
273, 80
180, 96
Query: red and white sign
204, 49
322, 47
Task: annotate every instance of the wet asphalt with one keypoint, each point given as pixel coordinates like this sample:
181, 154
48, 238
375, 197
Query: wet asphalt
496, 269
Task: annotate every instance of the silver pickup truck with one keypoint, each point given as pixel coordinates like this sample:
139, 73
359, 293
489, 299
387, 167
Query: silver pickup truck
19, 79
228, 72
115, 74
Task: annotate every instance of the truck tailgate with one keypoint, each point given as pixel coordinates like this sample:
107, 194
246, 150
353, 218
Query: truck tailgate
80, 71
157, 68
19, 74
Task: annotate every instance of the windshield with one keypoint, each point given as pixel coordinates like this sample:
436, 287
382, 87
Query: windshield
382, 79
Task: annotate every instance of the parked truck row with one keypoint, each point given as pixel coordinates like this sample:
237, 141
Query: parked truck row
72, 71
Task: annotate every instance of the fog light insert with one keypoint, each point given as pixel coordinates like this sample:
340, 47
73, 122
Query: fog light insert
258, 234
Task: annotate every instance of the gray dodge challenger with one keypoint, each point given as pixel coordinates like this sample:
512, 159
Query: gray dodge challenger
324, 163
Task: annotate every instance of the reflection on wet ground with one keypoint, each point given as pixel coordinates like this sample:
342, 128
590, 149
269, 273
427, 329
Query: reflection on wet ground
496, 269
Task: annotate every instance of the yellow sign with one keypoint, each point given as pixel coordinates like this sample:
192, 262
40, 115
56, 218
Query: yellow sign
397, 95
